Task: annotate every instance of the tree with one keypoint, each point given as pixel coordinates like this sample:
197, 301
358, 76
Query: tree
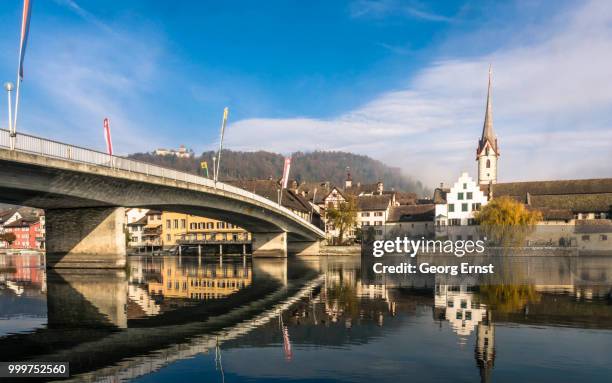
506, 221
8, 237
343, 217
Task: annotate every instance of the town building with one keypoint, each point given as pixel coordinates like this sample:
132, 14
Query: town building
290, 198
27, 233
455, 209
181, 152
412, 221
186, 227
152, 232
135, 232
373, 213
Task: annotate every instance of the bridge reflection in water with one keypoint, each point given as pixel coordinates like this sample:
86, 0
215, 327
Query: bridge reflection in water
309, 318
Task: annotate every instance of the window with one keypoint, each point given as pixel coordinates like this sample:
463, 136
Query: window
454, 222
365, 214
378, 223
463, 304
459, 315
464, 207
168, 224
451, 208
176, 223
168, 238
469, 195
365, 223
471, 221
378, 232
460, 196
488, 163
468, 315
476, 206
450, 304
183, 223
586, 237
193, 226
464, 186
378, 214
603, 237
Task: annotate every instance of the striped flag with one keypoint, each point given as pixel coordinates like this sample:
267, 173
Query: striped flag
25, 28
286, 168
107, 137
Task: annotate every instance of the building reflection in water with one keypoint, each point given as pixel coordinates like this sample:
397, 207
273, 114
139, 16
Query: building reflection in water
189, 303
155, 282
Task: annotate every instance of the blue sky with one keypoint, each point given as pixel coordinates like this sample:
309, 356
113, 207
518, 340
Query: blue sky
401, 81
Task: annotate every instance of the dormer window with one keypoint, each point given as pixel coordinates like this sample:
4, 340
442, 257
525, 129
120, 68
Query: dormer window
488, 161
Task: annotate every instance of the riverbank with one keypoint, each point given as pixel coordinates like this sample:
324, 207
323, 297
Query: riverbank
340, 250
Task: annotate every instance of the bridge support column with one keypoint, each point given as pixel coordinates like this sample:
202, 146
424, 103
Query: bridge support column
269, 245
85, 238
303, 247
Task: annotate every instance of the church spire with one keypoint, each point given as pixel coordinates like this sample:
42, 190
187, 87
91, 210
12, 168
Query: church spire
488, 135
487, 152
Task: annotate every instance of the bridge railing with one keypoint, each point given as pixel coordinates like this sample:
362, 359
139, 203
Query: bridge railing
49, 148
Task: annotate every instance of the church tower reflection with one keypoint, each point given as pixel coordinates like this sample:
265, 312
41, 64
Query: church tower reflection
485, 348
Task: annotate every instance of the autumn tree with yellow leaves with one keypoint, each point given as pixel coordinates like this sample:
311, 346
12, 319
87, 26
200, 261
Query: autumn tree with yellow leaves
507, 222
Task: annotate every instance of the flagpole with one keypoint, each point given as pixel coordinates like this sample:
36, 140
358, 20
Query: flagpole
14, 131
25, 26
225, 113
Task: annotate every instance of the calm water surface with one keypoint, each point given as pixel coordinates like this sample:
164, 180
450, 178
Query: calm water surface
309, 320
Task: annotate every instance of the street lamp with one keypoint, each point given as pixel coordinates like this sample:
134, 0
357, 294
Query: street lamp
9, 87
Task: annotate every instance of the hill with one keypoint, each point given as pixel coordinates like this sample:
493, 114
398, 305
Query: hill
313, 166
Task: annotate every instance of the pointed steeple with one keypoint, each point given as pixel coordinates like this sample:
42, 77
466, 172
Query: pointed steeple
488, 135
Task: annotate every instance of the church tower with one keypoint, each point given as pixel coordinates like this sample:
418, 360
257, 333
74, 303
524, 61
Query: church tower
487, 153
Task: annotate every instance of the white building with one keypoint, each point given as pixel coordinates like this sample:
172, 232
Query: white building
456, 208
181, 152
373, 212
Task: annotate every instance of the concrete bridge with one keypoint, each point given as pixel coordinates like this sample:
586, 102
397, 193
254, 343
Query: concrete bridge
84, 194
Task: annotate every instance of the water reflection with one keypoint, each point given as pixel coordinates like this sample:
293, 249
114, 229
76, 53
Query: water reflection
244, 319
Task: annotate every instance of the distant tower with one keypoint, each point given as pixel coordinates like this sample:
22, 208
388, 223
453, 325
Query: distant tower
349, 180
487, 153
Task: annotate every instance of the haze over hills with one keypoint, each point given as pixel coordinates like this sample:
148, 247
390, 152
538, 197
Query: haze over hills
312, 166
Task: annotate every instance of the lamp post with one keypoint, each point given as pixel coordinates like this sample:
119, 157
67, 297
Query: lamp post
9, 87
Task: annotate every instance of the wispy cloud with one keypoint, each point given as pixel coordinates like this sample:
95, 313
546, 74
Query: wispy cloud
80, 75
383, 8
552, 102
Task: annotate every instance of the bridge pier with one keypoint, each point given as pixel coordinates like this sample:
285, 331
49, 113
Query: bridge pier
303, 247
269, 244
85, 238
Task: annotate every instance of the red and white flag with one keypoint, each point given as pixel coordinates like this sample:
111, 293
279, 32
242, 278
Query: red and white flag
25, 29
285, 178
107, 137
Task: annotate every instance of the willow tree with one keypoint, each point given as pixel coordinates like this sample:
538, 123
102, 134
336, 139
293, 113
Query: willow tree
507, 222
343, 217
